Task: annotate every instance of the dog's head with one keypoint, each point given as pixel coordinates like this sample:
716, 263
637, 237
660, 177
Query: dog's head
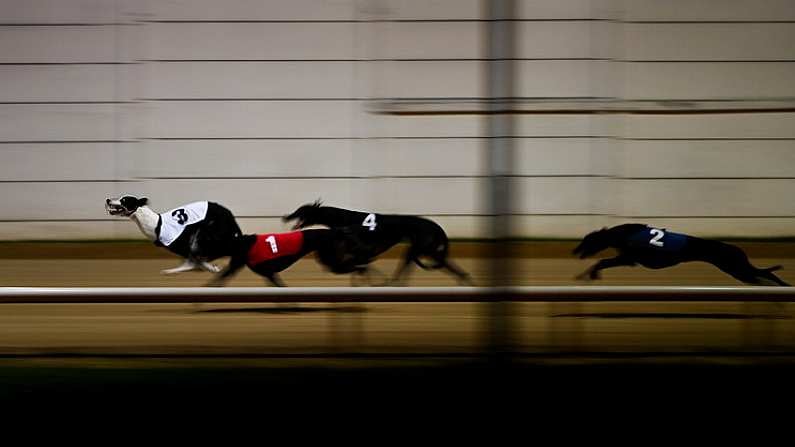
305, 215
124, 205
593, 243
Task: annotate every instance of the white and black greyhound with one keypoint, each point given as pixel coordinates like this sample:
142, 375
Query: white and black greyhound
199, 232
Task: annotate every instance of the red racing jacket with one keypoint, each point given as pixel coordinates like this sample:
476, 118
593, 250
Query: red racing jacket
271, 246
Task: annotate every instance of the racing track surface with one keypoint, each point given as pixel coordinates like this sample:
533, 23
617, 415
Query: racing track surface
196, 356
379, 328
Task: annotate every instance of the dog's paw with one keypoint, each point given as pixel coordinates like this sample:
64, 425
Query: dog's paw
212, 268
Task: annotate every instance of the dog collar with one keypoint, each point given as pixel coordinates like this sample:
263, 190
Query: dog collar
157, 231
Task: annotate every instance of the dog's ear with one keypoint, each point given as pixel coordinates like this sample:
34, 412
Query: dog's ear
143, 201
130, 203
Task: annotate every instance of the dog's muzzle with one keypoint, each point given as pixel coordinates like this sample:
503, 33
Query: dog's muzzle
115, 209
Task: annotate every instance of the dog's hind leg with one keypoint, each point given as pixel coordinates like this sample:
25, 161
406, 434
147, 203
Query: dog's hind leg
461, 276
734, 262
369, 272
366, 273
737, 265
768, 277
401, 275
275, 280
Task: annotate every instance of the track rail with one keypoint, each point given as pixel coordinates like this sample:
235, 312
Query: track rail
10, 295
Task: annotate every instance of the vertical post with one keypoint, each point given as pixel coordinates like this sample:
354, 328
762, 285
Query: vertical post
500, 42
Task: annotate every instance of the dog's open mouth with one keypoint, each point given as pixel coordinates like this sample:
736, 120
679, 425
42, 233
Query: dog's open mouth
115, 208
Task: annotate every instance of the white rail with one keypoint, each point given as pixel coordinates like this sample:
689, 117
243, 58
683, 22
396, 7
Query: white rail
10, 295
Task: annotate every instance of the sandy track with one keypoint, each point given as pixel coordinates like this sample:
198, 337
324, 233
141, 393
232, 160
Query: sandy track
380, 328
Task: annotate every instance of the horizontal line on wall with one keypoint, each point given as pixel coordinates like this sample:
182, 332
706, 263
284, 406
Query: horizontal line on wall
486, 101
514, 137
375, 177
685, 61
62, 102
66, 24
383, 60
276, 99
250, 138
387, 177
370, 138
252, 99
408, 100
585, 112
71, 181
540, 59
467, 20
710, 217
374, 20
711, 139
688, 101
686, 22
480, 59
65, 141
67, 63
388, 20
707, 178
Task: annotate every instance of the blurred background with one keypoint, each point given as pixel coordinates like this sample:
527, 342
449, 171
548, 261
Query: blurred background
536, 121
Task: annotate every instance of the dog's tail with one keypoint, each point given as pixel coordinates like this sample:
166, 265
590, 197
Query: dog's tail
772, 269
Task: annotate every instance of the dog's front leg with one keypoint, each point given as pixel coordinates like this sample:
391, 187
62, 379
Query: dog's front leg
587, 274
208, 267
592, 273
235, 264
186, 266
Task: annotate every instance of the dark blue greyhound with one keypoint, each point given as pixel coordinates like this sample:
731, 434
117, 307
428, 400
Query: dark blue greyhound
657, 248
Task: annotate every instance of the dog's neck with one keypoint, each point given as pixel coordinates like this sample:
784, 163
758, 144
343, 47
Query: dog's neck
146, 219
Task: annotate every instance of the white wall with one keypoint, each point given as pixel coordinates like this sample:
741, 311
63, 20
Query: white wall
266, 104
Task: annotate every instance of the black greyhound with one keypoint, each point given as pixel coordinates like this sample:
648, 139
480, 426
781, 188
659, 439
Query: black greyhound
270, 253
657, 248
425, 237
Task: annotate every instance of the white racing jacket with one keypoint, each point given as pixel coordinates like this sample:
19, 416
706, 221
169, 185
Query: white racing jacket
174, 222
